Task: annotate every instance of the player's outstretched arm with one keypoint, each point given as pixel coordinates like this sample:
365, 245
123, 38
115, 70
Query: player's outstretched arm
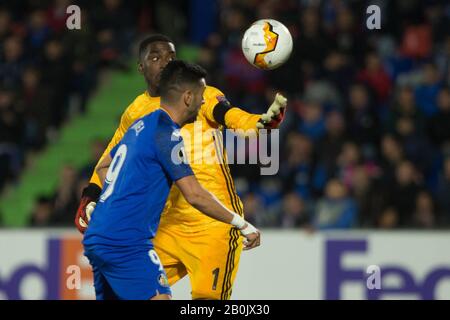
204, 201
274, 115
218, 109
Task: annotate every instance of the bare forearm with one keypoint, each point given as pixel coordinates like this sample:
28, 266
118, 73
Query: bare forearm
207, 203
102, 167
101, 172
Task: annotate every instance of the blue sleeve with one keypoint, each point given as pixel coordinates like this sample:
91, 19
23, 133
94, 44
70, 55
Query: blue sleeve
169, 149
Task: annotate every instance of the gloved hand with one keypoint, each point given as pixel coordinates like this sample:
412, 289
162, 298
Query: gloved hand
88, 201
274, 115
251, 234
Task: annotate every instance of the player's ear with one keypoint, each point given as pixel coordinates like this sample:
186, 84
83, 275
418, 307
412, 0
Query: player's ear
188, 97
140, 68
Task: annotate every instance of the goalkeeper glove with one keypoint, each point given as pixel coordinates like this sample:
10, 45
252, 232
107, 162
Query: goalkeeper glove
88, 201
274, 115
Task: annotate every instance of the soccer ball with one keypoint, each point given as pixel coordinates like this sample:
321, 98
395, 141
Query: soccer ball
267, 44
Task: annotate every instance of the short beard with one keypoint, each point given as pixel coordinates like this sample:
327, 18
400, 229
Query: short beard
191, 119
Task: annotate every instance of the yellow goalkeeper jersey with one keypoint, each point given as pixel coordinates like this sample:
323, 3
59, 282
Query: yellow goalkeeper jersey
203, 144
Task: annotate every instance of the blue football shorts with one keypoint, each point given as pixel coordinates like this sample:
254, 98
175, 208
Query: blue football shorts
126, 273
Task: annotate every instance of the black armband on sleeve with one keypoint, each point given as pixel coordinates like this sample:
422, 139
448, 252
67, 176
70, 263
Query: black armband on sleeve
220, 109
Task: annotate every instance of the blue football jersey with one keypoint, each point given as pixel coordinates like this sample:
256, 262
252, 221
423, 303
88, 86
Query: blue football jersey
144, 165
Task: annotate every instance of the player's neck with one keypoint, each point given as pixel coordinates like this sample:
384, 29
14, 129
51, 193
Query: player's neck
152, 91
173, 114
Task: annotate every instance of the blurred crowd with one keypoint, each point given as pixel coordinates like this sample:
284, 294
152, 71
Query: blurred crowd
48, 72
366, 140
57, 209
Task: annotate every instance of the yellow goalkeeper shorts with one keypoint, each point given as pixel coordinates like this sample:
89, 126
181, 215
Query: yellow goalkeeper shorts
210, 257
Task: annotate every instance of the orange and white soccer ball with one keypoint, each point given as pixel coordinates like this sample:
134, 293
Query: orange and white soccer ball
267, 44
